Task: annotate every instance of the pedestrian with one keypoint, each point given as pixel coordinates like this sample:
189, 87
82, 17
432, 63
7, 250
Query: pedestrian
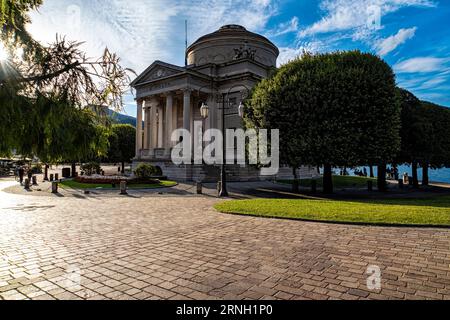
21, 174
405, 179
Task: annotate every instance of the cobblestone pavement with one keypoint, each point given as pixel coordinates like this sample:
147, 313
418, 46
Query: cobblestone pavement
178, 247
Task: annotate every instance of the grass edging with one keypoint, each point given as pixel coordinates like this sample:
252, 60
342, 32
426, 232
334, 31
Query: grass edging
344, 212
342, 223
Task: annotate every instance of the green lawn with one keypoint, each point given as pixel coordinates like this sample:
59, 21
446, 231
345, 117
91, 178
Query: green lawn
430, 212
77, 185
338, 181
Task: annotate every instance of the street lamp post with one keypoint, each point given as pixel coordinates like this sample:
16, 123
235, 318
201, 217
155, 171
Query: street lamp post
204, 111
223, 173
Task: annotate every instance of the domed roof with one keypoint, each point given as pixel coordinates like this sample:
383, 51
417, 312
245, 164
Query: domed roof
233, 31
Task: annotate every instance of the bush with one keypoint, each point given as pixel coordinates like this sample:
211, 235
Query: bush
91, 168
145, 171
158, 171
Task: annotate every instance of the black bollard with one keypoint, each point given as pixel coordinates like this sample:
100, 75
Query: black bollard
51, 177
123, 188
199, 188
27, 184
370, 186
56, 176
34, 181
54, 187
295, 186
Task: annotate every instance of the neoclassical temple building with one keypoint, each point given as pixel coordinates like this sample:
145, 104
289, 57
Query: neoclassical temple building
220, 66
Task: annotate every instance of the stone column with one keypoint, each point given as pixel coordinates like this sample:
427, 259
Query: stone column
146, 125
187, 110
169, 120
154, 125
160, 127
139, 129
148, 128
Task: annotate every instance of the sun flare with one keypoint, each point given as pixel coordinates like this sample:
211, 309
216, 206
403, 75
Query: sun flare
3, 53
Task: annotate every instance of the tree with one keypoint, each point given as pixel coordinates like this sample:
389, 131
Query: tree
58, 73
414, 132
436, 130
425, 135
122, 144
60, 132
334, 110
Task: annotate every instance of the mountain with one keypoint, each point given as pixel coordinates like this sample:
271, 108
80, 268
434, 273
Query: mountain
121, 118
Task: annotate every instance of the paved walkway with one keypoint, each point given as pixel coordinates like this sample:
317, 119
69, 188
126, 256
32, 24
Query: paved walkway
178, 247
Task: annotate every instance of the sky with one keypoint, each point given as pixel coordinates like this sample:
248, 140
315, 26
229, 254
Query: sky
411, 35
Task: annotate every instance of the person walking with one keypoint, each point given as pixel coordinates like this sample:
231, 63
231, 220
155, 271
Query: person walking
396, 173
30, 173
21, 174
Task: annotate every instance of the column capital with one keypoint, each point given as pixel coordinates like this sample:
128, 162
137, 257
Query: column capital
187, 91
151, 101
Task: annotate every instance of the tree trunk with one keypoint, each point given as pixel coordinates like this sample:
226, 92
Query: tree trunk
74, 169
123, 167
426, 176
381, 179
415, 176
372, 175
327, 179
295, 184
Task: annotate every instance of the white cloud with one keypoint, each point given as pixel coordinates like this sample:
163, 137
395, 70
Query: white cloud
284, 28
389, 44
288, 54
421, 64
142, 31
361, 17
432, 83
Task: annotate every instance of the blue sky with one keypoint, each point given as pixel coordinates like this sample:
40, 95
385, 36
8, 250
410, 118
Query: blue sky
411, 35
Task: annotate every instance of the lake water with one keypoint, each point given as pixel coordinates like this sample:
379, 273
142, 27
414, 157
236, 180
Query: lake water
440, 175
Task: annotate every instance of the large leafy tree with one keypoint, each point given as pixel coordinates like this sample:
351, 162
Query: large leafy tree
336, 109
122, 142
57, 132
415, 132
425, 135
436, 128
35, 78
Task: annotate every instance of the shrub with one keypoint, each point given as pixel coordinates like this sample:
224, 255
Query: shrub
158, 171
145, 171
91, 168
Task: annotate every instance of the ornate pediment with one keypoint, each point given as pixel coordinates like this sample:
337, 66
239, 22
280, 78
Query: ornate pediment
158, 70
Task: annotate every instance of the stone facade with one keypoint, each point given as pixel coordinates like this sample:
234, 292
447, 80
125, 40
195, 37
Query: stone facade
221, 65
